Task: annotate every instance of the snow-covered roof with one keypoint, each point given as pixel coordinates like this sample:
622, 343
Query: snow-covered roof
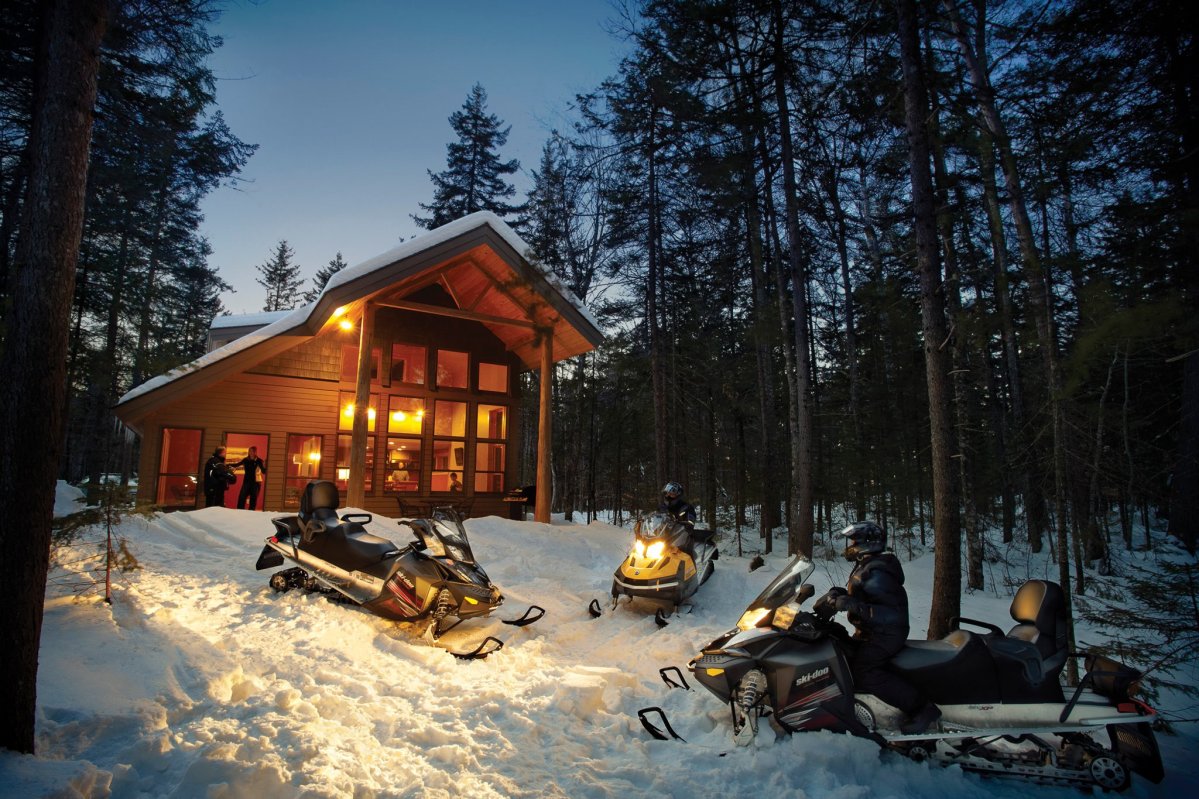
247, 319
300, 321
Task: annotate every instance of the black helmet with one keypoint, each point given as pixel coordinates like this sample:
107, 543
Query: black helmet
672, 490
863, 538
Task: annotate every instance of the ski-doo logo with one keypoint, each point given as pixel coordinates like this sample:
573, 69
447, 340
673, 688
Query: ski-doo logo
804, 679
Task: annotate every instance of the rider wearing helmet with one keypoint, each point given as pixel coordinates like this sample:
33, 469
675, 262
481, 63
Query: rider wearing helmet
877, 605
673, 503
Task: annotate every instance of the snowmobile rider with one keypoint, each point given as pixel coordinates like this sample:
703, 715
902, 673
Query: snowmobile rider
877, 605
216, 481
679, 509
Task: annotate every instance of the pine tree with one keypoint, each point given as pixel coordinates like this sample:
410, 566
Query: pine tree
321, 278
281, 279
474, 176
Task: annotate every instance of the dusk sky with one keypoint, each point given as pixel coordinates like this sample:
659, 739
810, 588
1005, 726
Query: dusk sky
349, 102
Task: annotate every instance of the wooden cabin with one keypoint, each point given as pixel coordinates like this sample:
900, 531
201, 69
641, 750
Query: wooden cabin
399, 383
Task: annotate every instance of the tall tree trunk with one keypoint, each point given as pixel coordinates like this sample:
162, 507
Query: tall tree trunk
947, 577
33, 364
1039, 295
801, 536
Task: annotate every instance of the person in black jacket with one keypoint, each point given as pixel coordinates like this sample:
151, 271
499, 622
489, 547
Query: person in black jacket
252, 464
216, 481
877, 605
673, 503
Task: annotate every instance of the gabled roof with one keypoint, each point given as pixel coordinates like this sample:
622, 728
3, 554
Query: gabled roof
484, 266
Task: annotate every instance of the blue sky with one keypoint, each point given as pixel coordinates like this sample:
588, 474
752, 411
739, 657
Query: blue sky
349, 102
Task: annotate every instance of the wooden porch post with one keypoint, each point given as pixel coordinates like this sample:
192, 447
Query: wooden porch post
356, 489
541, 509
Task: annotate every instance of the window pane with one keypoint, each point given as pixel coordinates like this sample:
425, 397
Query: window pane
343, 463
493, 377
402, 471
179, 467
303, 465
452, 369
449, 419
349, 363
489, 482
449, 458
180, 451
345, 418
407, 364
492, 421
489, 457
405, 415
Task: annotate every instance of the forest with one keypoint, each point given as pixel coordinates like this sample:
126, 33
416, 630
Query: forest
932, 263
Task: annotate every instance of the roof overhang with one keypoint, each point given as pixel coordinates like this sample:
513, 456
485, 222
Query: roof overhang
478, 260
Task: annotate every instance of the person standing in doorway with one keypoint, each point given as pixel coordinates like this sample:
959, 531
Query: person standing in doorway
252, 465
216, 481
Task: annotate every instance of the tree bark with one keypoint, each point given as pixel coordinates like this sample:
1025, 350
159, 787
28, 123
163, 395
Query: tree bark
33, 364
947, 577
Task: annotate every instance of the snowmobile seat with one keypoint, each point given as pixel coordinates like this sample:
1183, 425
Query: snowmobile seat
954, 670
1029, 659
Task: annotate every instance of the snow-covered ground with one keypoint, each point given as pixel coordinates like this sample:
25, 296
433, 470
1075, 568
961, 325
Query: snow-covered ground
199, 681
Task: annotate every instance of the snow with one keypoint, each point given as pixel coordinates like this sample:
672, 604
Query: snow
199, 681
247, 319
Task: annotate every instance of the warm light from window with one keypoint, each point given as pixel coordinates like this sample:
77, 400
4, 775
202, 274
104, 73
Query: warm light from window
348, 412
343, 474
314, 456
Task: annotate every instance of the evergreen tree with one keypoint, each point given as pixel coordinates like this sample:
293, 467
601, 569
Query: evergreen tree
321, 278
281, 279
474, 176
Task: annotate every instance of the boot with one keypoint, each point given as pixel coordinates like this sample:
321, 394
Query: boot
921, 720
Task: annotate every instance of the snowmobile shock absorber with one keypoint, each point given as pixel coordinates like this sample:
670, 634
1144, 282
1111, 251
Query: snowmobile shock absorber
753, 685
745, 709
445, 601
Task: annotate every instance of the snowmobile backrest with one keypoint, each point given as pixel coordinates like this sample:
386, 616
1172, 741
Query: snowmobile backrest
318, 494
1040, 607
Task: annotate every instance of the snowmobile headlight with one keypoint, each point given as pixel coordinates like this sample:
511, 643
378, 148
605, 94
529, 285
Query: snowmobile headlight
639, 548
750, 618
655, 550
784, 616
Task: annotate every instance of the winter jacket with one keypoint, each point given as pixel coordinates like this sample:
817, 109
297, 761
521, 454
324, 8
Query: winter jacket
680, 510
215, 471
879, 603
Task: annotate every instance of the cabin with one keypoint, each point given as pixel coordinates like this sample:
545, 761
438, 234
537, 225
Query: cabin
399, 383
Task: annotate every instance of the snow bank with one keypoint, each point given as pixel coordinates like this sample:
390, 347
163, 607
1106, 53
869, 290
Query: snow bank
199, 681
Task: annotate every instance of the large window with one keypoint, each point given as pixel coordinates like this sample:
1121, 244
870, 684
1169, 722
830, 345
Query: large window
303, 466
343, 463
493, 377
345, 416
453, 369
349, 363
401, 473
179, 467
449, 446
408, 364
405, 415
491, 422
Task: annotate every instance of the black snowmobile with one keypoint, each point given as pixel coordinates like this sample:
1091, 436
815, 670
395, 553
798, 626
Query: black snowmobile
1004, 710
433, 578
667, 562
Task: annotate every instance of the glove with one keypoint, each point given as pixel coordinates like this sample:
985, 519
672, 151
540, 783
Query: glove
826, 606
845, 603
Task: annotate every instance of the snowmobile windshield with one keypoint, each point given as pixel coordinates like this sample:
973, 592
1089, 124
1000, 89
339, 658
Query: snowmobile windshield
447, 541
783, 588
656, 525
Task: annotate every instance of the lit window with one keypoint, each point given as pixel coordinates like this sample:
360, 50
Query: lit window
493, 377
452, 369
407, 364
345, 413
405, 415
492, 421
401, 472
303, 466
343, 463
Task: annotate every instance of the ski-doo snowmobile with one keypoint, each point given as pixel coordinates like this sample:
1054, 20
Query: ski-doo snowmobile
1004, 709
433, 578
667, 561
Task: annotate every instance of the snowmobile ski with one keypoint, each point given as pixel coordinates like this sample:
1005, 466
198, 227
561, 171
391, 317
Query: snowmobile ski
479, 652
653, 729
665, 673
594, 609
534, 613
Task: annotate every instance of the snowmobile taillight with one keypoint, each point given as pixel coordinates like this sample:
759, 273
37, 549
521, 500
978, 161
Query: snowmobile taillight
274, 539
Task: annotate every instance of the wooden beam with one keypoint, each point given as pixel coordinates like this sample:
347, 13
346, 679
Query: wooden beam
456, 313
541, 508
356, 488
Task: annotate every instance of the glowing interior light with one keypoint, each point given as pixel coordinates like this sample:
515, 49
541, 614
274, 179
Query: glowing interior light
370, 414
348, 410
314, 456
343, 474
346, 324
399, 416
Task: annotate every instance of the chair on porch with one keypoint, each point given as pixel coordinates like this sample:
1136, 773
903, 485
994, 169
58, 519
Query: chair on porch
412, 508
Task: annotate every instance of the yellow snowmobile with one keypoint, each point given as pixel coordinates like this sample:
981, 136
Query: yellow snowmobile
667, 562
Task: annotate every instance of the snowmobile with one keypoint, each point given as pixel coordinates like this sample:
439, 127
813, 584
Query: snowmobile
435, 577
667, 562
1004, 709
